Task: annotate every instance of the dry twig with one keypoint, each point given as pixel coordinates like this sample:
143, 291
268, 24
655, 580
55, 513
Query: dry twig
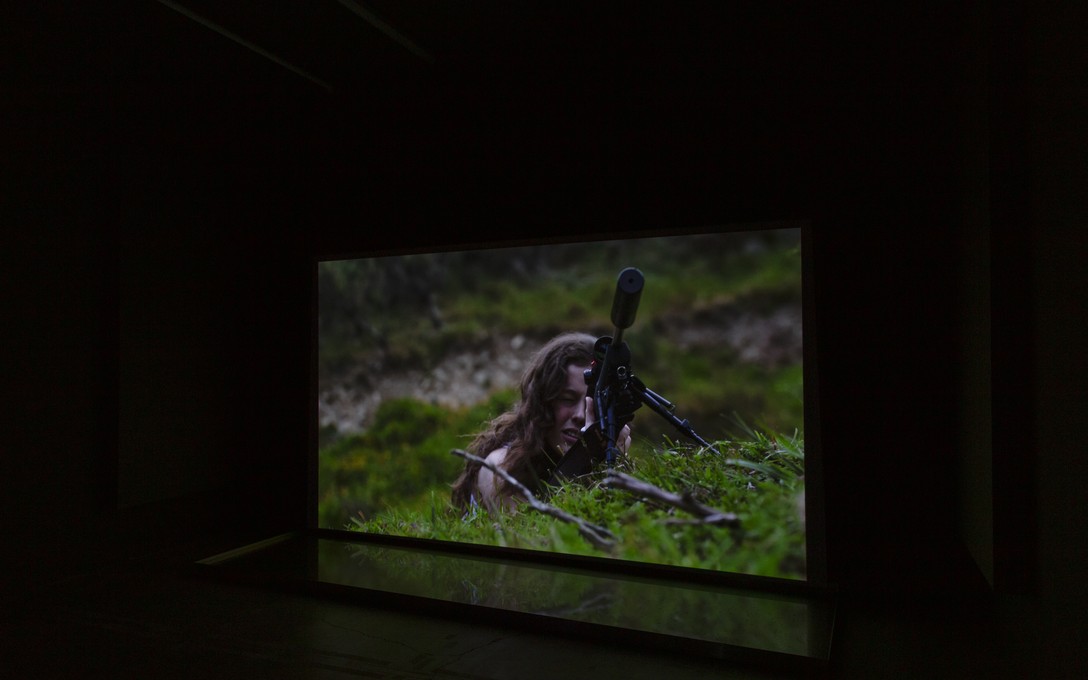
599, 536
685, 502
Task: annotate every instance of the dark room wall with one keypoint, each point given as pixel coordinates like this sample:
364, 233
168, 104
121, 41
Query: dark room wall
168, 190
203, 176
1057, 102
155, 284
213, 282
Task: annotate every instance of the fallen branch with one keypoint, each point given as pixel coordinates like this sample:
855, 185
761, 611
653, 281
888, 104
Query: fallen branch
599, 536
685, 502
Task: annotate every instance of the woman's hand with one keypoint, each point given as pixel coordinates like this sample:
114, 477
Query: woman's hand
623, 438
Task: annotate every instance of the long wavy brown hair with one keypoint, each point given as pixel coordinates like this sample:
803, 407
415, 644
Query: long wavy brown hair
523, 428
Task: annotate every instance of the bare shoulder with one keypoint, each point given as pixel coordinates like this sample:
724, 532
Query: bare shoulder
497, 457
486, 481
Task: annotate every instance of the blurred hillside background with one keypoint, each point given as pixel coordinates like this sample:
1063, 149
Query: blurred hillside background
417, 351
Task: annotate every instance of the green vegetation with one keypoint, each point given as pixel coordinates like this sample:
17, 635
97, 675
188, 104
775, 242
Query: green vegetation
760, 480
401, 462
413, 309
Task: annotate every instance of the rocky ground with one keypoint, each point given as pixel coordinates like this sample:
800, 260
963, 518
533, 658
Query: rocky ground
463, 378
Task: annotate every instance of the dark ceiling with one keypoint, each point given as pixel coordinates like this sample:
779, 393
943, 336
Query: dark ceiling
618, 111
369, 48
532, 103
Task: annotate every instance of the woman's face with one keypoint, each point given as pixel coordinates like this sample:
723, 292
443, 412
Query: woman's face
569, 410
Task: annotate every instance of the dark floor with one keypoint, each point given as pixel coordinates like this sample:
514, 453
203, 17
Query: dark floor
152, 616
172, 625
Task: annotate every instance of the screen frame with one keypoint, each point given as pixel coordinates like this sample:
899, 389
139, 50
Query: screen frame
816, 579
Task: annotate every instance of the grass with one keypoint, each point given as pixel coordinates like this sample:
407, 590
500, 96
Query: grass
399, 460
759, 479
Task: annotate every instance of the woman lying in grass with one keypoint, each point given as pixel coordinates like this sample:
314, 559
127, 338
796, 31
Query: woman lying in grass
545, 436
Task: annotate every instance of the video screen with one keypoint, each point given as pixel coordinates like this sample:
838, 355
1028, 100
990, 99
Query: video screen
637, 399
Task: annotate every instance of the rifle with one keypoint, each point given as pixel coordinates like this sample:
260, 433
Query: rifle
617, 392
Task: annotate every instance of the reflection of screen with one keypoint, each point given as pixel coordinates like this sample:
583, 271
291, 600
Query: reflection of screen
419, 352
736, 617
